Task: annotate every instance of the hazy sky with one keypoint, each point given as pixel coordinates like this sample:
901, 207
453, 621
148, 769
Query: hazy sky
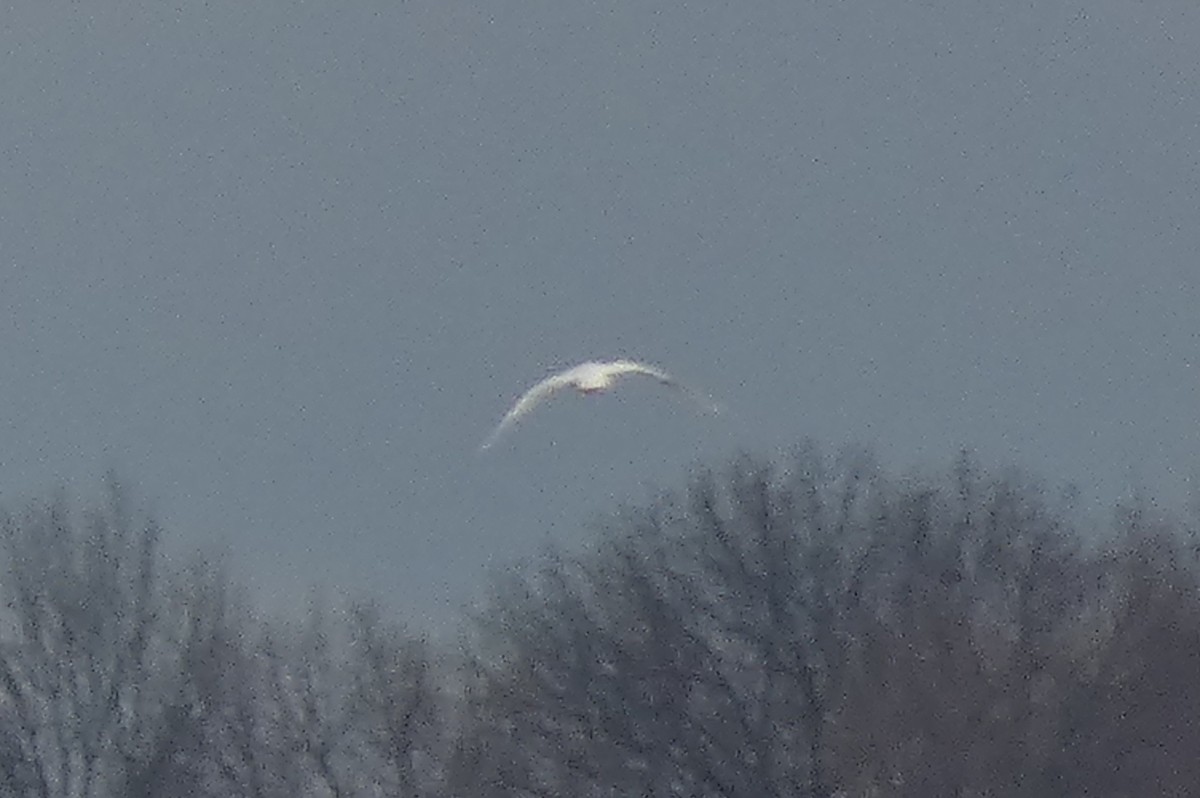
283, 265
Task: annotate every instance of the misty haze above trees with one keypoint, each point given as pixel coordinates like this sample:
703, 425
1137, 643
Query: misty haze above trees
812, 628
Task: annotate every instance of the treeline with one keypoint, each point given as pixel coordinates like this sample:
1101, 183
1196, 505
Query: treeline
815, 628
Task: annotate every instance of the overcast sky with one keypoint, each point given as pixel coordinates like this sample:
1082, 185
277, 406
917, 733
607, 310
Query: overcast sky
283, 265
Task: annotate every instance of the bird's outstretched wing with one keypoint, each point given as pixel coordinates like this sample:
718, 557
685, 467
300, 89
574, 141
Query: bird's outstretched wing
634, 367
527, 402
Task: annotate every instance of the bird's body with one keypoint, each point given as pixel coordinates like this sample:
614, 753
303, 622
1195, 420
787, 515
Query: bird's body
587, 378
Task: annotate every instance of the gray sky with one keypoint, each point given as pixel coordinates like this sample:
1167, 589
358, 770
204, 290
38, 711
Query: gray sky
284, 265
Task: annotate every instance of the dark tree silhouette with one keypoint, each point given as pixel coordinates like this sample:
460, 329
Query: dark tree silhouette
77, 675
119, 678
812, 629
823, 629
1128, 721
398, 705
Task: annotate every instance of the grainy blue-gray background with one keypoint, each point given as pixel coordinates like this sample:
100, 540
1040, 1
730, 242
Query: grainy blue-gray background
284, 264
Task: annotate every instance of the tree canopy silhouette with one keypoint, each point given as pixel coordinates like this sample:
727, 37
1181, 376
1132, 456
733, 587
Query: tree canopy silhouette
820, 628
815, 627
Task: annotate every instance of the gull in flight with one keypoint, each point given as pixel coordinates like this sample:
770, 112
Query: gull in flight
587, 378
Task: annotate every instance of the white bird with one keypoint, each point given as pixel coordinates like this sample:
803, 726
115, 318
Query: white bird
587, 378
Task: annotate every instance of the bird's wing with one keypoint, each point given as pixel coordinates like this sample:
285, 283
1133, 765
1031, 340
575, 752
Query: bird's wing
633, 367
527, 402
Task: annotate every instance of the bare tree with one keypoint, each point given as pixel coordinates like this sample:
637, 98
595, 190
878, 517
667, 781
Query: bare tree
397, 705
1128, 719
821, 629
119, 678
77, 675
235, 695
359, 702
203, 740
257, 710
815, 628
679, 657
